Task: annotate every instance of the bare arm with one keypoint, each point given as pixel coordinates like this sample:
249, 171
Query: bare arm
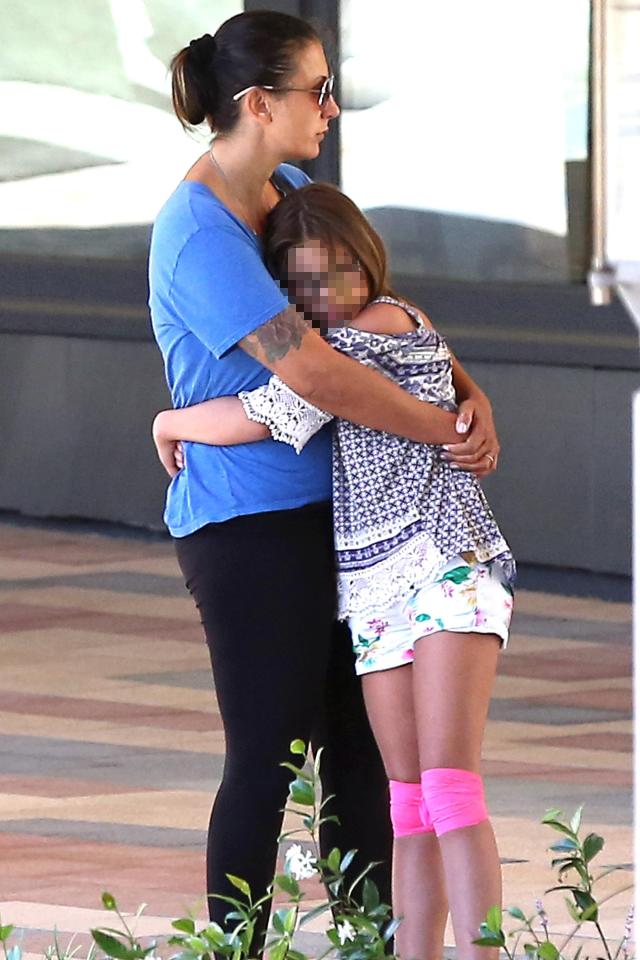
218, 422
326, 378
475, 417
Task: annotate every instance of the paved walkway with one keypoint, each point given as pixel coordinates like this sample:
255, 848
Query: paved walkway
111, 745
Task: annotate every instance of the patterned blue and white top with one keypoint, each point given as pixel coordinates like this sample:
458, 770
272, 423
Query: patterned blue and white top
400, 510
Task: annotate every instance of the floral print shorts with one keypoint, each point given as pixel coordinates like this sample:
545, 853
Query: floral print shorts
465, 596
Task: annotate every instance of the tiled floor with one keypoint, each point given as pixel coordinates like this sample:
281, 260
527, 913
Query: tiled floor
111, 745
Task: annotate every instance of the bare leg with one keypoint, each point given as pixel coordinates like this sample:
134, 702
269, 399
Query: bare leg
453, 676
418, 877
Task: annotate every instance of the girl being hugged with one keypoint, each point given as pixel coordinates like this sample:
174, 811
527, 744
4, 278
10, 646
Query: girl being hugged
424, 574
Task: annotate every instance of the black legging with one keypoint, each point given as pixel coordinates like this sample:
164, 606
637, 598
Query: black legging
283, 668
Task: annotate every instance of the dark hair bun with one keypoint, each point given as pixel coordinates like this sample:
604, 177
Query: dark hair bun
258, 47
202, 51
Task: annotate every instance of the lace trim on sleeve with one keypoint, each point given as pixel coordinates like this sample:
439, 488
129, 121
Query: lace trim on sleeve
289, 418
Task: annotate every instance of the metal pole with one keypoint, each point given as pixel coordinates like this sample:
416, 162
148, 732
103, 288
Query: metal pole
601, 277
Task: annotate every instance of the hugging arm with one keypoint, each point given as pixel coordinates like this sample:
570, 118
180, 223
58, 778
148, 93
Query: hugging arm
313, 382
218, 422
474, 422
340, 385
270, 410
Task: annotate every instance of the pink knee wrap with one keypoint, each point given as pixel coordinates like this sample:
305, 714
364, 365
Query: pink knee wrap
454, 798
408, 812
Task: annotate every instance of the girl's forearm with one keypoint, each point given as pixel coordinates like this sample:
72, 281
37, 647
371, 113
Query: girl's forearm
219, 422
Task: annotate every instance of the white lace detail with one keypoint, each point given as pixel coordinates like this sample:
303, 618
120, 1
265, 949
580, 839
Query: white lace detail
378, 587
289, 418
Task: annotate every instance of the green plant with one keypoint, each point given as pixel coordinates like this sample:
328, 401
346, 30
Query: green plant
360, 928
573, 861
56, 951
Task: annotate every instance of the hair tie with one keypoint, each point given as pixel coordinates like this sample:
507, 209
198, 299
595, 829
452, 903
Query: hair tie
203, 49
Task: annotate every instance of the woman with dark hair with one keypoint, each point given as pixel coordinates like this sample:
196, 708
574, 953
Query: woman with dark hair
252, 522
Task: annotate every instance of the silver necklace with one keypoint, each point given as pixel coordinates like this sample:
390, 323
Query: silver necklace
243, 206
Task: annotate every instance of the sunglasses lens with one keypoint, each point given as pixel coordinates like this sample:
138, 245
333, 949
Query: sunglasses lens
325, 91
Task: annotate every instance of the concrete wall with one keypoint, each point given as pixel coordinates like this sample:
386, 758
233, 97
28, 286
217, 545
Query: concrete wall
75, 420
563, 491
75, 417
81, 378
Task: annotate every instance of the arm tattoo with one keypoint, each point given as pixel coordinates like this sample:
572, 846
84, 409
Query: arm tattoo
274, 339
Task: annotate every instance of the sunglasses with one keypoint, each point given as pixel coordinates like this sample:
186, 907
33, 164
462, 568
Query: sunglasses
323, 93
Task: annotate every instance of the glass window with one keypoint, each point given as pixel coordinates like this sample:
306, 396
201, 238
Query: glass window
464, 134
90, 145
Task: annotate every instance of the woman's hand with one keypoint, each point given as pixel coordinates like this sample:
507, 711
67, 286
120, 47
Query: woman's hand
479, 448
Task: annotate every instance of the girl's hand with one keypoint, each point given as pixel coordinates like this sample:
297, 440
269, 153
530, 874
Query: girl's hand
479, 448
168, 454
169, 451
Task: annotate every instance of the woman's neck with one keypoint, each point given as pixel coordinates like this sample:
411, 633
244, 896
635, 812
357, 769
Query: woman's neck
247, 167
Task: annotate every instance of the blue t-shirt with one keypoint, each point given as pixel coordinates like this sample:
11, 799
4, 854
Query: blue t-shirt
209, 288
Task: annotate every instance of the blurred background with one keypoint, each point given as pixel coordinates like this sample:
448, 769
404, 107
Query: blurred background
465, 134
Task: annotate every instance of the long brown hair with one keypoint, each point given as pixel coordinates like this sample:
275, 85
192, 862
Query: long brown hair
319, 211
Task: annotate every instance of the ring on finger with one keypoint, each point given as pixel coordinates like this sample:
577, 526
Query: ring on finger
492, 460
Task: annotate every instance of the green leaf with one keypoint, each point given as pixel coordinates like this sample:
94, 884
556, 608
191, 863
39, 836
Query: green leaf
302, 792
298, 771
298, 747
214, 934
457, 575
112, 947
370, 895
185, 925
109, 901
548, 951
332, 935
295, 955
496, 936
288, 883
516, 913
488, 941
391, 928
347, 860
360, 922
566, 845
6, 931
551, 819
284, 920
587, 905
592, 846
571, 909
240, 885
576, 820
316, 912
494, 919
333, 860
279, 950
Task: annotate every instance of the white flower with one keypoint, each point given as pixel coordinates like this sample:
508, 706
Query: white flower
345, 932
299, 863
